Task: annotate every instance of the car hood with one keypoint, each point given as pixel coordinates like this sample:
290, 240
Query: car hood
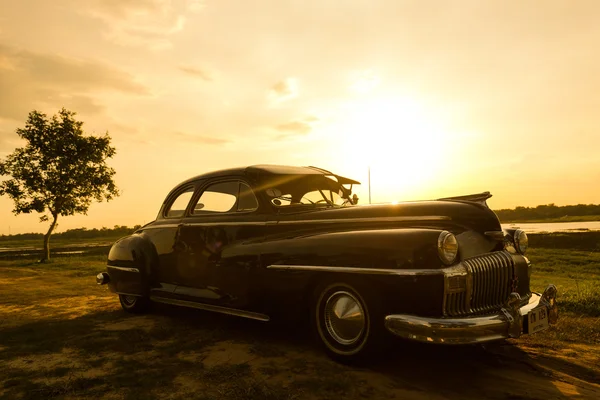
461, 215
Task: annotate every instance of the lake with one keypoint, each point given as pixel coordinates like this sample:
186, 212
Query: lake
555, 226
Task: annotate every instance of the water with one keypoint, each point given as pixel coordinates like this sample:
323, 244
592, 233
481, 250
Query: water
556, 227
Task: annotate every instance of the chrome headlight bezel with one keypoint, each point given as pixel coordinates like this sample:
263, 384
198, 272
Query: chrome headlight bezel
447, 247
521, 241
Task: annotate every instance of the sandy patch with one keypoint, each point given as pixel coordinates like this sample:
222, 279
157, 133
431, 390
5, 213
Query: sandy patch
66, 308
536, 385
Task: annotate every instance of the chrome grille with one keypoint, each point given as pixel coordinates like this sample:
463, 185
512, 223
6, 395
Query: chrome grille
456, 304
490, 278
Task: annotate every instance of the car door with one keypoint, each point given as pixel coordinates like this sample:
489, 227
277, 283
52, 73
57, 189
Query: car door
224, 214
163, 235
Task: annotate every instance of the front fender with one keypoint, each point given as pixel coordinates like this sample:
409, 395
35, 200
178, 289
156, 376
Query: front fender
351, 256
412, 248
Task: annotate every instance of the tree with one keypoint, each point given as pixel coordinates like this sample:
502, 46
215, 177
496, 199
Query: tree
59, 171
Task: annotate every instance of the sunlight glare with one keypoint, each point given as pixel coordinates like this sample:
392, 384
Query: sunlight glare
364, 81
400, 140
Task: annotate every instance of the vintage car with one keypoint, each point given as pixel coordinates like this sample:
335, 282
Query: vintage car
266, 241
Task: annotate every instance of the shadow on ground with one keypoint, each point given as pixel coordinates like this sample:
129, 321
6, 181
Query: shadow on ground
191, 354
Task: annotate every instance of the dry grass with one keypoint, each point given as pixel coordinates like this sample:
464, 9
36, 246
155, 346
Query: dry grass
576, 336
576, 275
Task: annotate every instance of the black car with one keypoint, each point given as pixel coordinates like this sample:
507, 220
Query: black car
260, 241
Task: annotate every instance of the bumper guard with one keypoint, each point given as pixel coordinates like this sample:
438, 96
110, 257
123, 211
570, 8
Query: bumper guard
508, 323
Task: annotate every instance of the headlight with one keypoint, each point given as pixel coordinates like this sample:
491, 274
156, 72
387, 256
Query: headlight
521, 241
447, 247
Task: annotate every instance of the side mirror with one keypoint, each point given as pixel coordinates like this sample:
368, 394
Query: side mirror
199, 207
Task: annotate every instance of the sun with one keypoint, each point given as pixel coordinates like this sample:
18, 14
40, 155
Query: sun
398, 139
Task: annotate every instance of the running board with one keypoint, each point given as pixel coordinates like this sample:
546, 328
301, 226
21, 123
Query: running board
210, 307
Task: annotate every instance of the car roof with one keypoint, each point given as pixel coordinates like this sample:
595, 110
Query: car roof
256, 171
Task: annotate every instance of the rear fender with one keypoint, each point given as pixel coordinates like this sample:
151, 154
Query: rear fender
131, 263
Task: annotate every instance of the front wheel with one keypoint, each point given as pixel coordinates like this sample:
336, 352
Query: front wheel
134, 304
344, 321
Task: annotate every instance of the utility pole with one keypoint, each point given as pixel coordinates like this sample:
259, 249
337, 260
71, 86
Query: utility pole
369, 184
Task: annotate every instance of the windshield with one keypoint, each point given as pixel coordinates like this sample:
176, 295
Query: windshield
308, 190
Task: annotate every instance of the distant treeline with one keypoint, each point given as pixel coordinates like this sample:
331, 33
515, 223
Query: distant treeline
79, 233
548, 211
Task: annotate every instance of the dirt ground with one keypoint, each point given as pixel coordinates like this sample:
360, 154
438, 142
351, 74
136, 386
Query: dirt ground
54, 344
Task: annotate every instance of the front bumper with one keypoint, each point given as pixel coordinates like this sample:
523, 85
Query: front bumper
508, 323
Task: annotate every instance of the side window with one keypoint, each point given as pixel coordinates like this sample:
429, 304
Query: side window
226, 197
220, 197
180, 204
246, 201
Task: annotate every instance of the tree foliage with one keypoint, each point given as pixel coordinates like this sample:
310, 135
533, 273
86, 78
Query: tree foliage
77, 234
548, 211
59, 171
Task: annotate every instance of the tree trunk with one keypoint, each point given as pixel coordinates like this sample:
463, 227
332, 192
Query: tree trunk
46, 255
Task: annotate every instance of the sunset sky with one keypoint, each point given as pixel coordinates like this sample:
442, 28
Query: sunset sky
439, 98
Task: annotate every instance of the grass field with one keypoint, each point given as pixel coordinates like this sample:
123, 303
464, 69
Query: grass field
9, 243
62, 336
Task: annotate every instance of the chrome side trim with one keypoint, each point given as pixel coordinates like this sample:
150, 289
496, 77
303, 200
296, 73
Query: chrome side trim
160, 226
307, 221
259, 223
129, 294
372, 219
356, 270
123, 268
213, 308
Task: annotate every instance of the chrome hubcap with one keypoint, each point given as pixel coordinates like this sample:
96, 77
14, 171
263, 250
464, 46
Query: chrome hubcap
344, 317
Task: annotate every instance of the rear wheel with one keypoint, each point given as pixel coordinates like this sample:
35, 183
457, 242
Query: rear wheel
345, 323
134, 304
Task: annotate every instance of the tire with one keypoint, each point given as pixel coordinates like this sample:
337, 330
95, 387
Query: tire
345, 322
134, 304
